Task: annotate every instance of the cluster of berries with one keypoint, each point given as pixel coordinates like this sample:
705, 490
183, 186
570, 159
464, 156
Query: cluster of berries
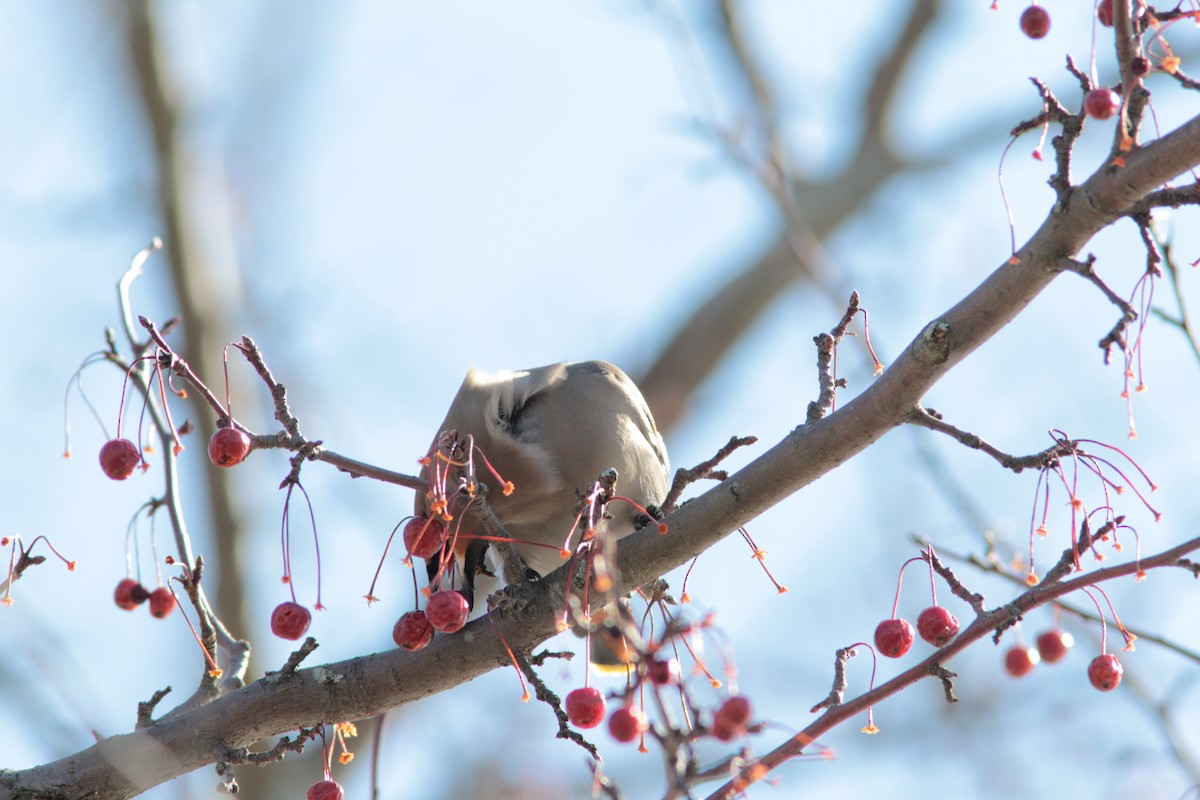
130, 594
1100, 103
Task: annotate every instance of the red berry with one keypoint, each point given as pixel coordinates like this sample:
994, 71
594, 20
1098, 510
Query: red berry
1101, 103
412, 631
1019, 661
1104, 13
729, 721
290, 620
1139, 66
162, 602
118, 457
627, 723
1035, 22
937, 625
585, 707
1052, 645
423, 537
893, 637
661, 672
228, 446
130, 594
447, 610
326, 790
1105, 672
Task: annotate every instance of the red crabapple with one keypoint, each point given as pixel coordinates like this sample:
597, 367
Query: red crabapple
412, 631
1105, 672
162, 602
1035, 22
729, 720
290, 620
1101, 103
447, 610
118, 457
326, 790
1052, 645
937, 625
1104, 13
627, 723
585, 707
1019, 661
423, 537
130, 594
893, 637
662, 671
228, 446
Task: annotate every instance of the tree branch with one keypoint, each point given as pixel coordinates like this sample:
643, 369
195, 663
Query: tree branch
121, 766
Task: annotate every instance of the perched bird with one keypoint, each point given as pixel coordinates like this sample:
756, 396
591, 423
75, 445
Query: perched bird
549, 432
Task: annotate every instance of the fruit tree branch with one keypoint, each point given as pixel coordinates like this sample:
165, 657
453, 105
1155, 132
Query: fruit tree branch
121, 766
932, 665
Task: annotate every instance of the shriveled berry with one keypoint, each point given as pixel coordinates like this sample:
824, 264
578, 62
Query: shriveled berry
1019, 661
1053, 644
1035, 22
1101, 103
412, 631
130, 594
662, 671
447, 610
937, 625
585, 707
1139, 66
290, 620
730, 719
1104, 13
326, 790
118, 457
228, 446
162, 602
423, 537
893, 637
1105, 672
627, 723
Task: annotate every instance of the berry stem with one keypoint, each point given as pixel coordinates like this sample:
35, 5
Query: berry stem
371, 598
225, 366
932, 581
513, 658
1100, 612
285, 542
213, 670
900, 582
76, 379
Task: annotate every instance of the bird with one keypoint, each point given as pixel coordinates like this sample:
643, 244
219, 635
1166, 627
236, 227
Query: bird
538, 440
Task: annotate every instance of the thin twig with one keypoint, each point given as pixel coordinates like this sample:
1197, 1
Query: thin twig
703, 470
928, 418
543, 693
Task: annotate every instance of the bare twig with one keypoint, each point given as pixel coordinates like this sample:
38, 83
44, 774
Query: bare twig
1116, 336
146, 708
834, 699
543, 693
703, 470
928, 418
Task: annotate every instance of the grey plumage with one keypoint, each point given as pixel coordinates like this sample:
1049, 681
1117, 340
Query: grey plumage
551, 430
